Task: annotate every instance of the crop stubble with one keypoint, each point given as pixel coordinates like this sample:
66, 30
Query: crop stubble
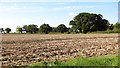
18, 49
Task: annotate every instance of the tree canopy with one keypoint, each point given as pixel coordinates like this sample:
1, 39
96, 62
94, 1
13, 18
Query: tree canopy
45, 28
62, 28
86, 22
30, 28
7, 30
1, 30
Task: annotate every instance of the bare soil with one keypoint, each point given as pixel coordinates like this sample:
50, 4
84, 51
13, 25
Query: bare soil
19, 49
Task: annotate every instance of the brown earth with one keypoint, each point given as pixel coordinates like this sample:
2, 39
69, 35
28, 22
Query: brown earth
19, 49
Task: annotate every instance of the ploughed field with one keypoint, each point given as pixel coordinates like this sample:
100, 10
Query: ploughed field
23, 49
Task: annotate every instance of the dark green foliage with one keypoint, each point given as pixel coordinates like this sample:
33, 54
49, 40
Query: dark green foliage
62, 28
111, 26
25, 27
7, 30
1, 30
30, 28
45, 28
86, 22
111, 29
54, 29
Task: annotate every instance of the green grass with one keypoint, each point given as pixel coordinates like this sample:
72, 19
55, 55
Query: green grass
103, 32
80, 61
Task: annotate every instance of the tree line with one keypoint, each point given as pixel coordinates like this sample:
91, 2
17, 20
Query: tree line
82, 23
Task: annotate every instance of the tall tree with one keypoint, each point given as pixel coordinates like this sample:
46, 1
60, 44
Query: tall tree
1, 30
30, 28
25, 28
7, 30
62, 28
45, 28
86, 22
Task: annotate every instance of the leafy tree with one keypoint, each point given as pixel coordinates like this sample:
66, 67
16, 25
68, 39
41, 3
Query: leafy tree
62, 28
54, 29
19, 29
8, 30
86, 22
30, 28
45, 28
25, 28
73, 28
1, 30
111, 26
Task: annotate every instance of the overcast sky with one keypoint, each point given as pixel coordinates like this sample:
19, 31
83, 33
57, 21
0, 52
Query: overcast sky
14, 13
